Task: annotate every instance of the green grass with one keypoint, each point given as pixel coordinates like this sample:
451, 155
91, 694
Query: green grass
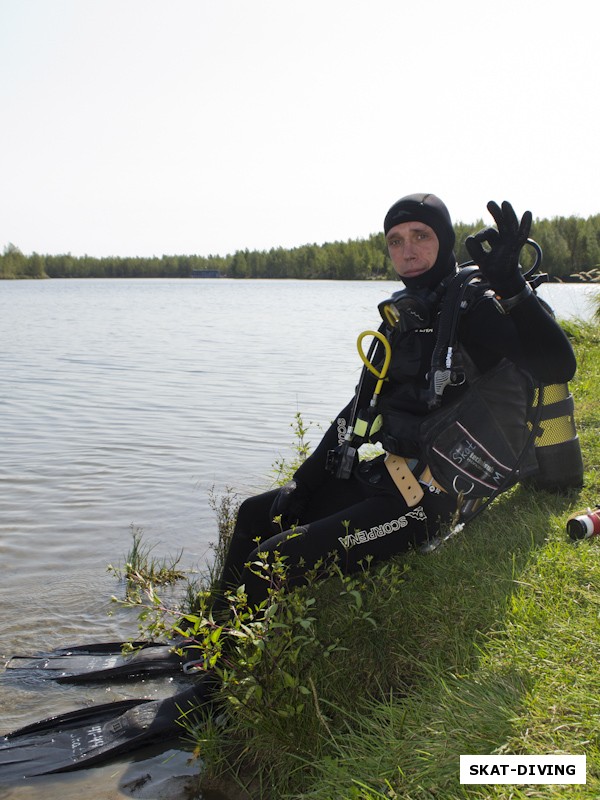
489, 645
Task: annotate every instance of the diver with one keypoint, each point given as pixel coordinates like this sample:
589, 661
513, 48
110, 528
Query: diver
393, 502
337, 506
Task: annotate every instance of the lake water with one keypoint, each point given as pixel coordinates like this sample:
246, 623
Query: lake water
122, 403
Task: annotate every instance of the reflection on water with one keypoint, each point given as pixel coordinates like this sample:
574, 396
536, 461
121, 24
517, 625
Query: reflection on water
122, 403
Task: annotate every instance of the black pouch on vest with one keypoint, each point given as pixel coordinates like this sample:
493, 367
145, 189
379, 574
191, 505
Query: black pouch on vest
483, 443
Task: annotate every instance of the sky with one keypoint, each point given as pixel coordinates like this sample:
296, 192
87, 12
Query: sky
151, 127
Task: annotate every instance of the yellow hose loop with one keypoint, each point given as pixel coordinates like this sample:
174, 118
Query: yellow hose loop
381, 374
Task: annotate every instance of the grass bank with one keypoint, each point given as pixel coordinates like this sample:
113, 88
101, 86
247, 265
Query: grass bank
490, 645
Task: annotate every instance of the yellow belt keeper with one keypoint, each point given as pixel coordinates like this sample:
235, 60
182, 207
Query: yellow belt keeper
360, 428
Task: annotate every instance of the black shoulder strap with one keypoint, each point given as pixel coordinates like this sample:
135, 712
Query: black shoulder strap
453, 305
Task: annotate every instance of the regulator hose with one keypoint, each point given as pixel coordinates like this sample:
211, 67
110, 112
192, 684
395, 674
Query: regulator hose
366, 359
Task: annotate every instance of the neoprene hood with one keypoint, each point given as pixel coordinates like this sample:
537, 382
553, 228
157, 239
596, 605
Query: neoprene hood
431, 210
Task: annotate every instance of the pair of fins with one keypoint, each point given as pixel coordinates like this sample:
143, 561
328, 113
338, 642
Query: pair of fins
88, 736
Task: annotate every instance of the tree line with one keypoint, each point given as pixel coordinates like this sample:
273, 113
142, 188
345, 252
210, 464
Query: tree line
571, 247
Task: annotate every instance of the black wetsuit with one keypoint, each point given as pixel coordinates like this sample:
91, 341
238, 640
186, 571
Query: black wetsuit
366, 515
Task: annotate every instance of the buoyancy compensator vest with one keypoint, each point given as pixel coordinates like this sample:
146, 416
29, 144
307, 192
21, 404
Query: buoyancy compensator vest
504, 428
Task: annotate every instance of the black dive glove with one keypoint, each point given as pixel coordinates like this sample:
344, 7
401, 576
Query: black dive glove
290, 504
499, 261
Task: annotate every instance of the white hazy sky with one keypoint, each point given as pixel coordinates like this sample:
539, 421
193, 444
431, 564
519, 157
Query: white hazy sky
144, 127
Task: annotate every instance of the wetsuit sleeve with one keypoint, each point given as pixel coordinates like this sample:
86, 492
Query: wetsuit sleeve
529, 337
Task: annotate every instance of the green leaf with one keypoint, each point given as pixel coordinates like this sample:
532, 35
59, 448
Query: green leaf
288, 679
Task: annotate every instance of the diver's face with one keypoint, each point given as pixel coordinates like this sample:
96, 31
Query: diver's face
413, 248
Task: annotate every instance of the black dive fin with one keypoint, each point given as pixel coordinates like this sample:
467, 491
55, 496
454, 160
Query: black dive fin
99, 662
86, 737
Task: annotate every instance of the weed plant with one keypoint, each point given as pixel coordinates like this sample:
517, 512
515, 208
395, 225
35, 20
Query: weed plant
142, 568
284, 468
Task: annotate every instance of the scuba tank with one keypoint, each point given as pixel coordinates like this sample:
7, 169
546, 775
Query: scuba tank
557, 449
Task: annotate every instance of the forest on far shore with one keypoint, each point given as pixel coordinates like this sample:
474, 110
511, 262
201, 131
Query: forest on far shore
571, 248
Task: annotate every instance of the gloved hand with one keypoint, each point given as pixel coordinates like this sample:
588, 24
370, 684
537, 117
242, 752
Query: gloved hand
499, 261
290, 504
